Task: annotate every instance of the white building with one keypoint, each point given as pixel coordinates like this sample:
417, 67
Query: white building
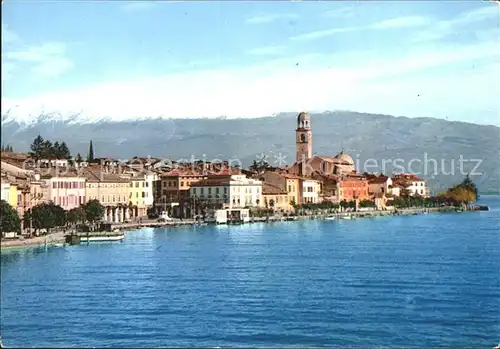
234, 191
149, 180
54, 162
5, 191
311, 190
412, 183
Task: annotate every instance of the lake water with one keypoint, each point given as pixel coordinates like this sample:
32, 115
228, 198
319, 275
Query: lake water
414, 281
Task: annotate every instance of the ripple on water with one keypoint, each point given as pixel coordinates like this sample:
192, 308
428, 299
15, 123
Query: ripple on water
419, 280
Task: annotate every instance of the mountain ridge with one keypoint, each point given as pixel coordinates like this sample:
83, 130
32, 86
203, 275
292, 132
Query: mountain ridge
365, 136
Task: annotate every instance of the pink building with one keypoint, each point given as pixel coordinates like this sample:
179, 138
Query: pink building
66, 190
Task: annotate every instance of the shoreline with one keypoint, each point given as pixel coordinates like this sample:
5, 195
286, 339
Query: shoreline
59, 238
39, 241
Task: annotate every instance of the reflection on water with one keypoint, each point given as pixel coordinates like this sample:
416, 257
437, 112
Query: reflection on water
423, 281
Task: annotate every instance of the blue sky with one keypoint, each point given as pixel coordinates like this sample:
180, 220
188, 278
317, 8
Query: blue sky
206, 59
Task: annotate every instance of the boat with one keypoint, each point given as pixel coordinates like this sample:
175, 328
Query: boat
330, 218
102, 238
497, 346
346, 217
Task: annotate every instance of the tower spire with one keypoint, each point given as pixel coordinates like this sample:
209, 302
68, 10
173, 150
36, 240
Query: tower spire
303, 134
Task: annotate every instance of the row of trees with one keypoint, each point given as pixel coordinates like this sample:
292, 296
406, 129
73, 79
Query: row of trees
48, 216
7, 148
408, 201
45, 149
260, 166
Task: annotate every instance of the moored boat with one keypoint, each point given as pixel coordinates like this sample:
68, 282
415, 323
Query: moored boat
102, 238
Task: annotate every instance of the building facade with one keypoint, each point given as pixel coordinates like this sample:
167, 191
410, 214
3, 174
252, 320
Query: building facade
354, 188
286, 182
65, 189
411, 183
311, 191
233, 191
379, 185
5, 190
112, 191
276, 198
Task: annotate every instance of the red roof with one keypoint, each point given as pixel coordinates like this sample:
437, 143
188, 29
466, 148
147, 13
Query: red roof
407, 176
268, 189
378, 180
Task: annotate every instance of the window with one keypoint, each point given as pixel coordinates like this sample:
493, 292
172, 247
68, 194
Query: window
182, 184
143, 194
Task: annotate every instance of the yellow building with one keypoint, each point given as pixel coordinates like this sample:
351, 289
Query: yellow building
13, 195
137, 194
286, 182
276, 198
112, 191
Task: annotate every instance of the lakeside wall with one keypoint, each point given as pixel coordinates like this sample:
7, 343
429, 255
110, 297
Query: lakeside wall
58, 238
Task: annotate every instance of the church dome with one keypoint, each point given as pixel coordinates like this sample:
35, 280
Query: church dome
345, 158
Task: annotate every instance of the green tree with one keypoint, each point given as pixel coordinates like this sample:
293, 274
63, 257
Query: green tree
37, 147
78, 158
271, 203
367, 203
469, 185
76, 215
64, 151
90, 156
56, 150
45, 216
94, 211
460, 194
7, 148
9, 219
47, 150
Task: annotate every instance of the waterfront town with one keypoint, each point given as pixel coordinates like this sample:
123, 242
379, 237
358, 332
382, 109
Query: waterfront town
151, 188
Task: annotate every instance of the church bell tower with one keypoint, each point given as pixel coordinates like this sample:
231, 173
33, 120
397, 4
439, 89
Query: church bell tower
303, 134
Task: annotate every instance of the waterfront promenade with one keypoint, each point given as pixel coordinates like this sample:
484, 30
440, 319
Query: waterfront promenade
50, 239
59, 237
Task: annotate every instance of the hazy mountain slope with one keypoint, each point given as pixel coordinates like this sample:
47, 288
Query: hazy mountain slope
364, 136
